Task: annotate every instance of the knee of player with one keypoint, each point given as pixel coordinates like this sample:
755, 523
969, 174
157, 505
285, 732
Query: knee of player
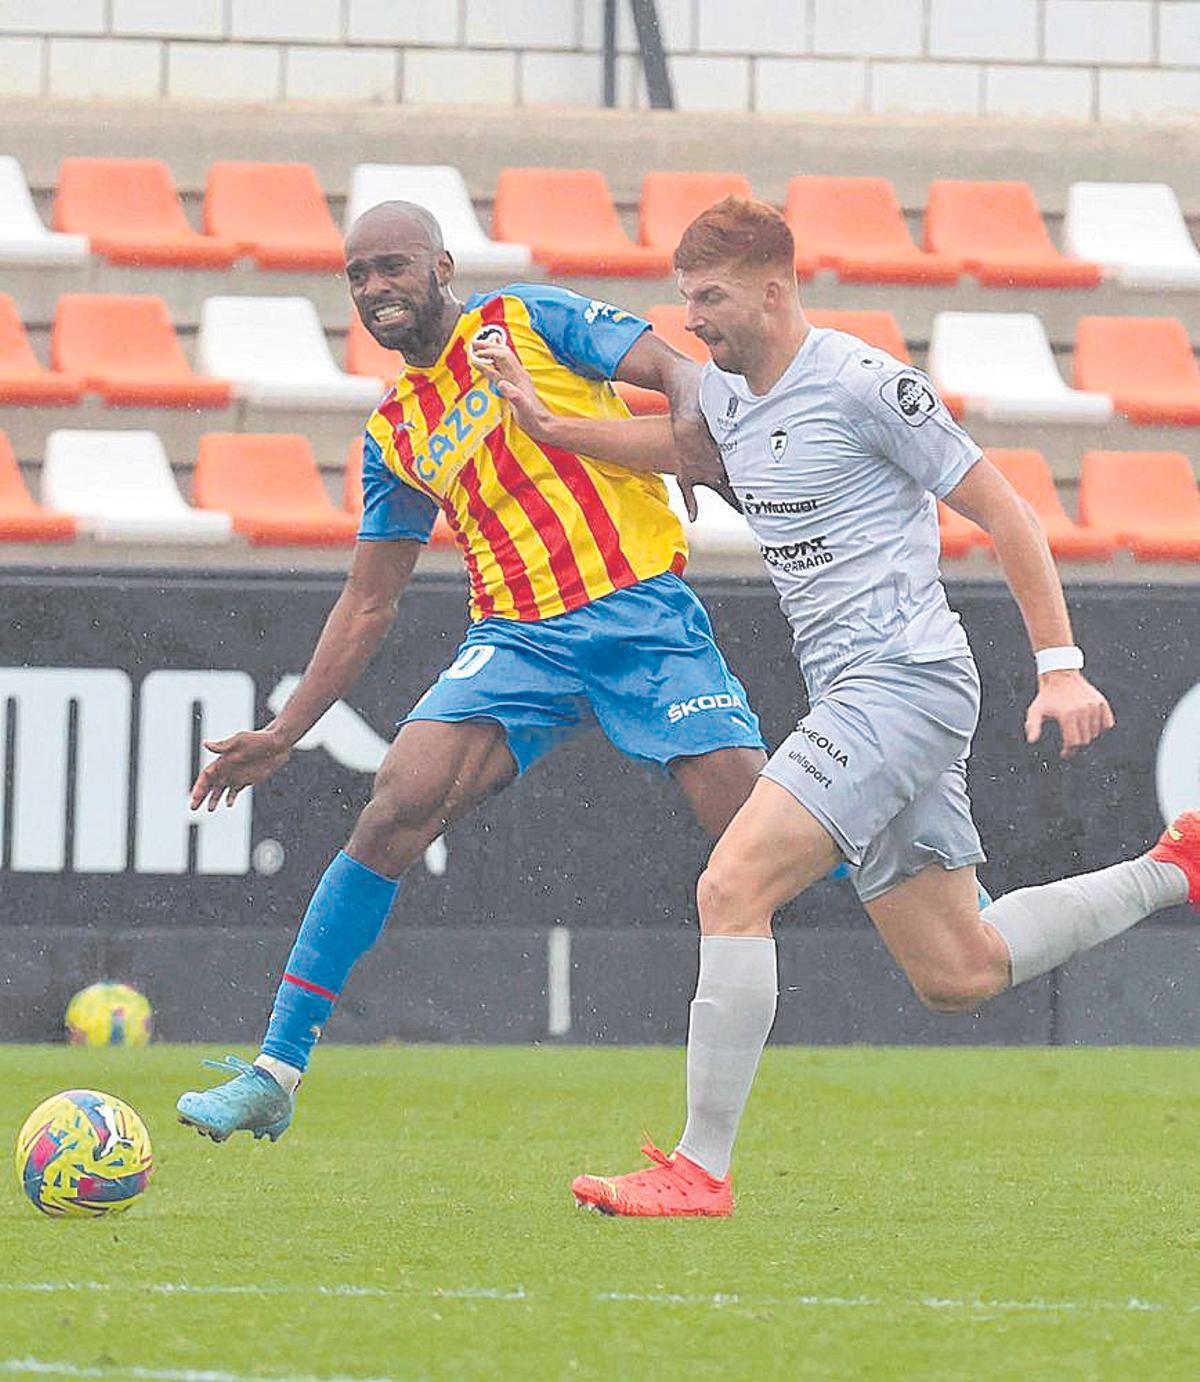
721, 903
404, 805
951, 991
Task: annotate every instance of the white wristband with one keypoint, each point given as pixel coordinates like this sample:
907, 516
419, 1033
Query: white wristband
1059, 660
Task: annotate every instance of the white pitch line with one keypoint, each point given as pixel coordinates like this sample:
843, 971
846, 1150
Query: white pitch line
719, 1300
43, 1367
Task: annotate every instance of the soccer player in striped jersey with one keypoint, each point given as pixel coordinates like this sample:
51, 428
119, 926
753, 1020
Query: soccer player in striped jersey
579, 617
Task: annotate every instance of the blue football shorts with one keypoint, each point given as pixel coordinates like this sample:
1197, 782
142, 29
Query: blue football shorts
640, 663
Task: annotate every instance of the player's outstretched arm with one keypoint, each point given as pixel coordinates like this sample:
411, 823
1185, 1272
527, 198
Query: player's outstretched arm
357, 624
640, 443
1066, 695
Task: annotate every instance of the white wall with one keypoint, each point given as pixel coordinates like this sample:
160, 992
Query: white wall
1077, 59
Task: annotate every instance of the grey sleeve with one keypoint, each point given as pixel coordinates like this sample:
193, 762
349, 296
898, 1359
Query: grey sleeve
897, 413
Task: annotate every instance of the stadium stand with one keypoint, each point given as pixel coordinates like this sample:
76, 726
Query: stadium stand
275, 353
125, 349
856, 227
21, 518
1136, 230
1146, 364
1029, 474
440, 189
131, 213
270, 487
567, 218
671, 200
996, 232
119, 488
1001, 365
23, 377
1148, 500
276, 212
24, 239
364, 355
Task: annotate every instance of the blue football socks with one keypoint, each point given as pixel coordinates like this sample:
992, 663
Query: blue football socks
344, 920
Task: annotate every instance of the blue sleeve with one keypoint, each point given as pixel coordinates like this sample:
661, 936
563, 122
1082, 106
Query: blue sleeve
588, 336
391, 509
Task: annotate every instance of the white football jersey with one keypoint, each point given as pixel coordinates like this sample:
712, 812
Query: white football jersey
836, 468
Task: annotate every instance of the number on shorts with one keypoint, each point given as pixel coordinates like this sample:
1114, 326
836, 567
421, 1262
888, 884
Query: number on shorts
470, 661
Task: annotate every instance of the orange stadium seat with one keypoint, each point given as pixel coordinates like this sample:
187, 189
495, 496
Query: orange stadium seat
365, 356
1027, 472
21, 519
567, 218
995, 230
959, 535
668, 320
130, 211
23, 378
126, 350
270, 486
1145, 364
277, 212
671, 201
1148, 499
352, 495
856, 226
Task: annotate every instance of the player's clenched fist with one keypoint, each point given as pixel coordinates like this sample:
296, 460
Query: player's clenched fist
1081, 711
243, 760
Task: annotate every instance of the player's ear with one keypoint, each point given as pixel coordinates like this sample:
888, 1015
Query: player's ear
772, 295
444, 268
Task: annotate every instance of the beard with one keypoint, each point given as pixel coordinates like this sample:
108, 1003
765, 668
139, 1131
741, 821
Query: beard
420, 336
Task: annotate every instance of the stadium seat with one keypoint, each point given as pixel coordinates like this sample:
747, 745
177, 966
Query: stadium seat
21, 519
668, 321
23, 237
364, 354
125, 349
352, 495
1028, 473
876, 327
270, 486
276, 212
567, 218
1148, 499
856, 226
1145, 363
960, 537
23, 378
671, 201
1136, 230
440, 189
995, 230
131, 213
274, 351
1001, 365
120, 488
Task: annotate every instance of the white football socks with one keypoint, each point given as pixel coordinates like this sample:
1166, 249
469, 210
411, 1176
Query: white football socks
285, 1075
1044, 926
731, 1018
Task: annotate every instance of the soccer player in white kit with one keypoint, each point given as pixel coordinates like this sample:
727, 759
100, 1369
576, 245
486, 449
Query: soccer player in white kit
837, 454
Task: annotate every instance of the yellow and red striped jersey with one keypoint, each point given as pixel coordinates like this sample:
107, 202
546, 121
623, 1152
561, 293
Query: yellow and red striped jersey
542, 530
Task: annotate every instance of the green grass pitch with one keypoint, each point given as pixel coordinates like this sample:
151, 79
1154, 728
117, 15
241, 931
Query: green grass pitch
958, 1214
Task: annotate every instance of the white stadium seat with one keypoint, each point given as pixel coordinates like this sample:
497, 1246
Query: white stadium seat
718, 528
120, 488
1001, 365
1136, 230
23, 237
441, 190
274, 352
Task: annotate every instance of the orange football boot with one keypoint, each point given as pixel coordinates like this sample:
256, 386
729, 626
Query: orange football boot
672, 1187
1179, 844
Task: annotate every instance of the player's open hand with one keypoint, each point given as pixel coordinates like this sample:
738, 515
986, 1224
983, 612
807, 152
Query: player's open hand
243, 760
514, 385
1081, 712
699, 461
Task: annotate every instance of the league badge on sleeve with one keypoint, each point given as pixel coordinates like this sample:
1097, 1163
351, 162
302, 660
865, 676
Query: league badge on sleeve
910, 395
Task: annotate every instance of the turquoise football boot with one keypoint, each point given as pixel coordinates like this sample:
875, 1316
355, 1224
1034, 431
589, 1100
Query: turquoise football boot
253, 1100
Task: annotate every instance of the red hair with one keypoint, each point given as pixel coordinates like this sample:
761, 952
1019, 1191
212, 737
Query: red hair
738, 231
